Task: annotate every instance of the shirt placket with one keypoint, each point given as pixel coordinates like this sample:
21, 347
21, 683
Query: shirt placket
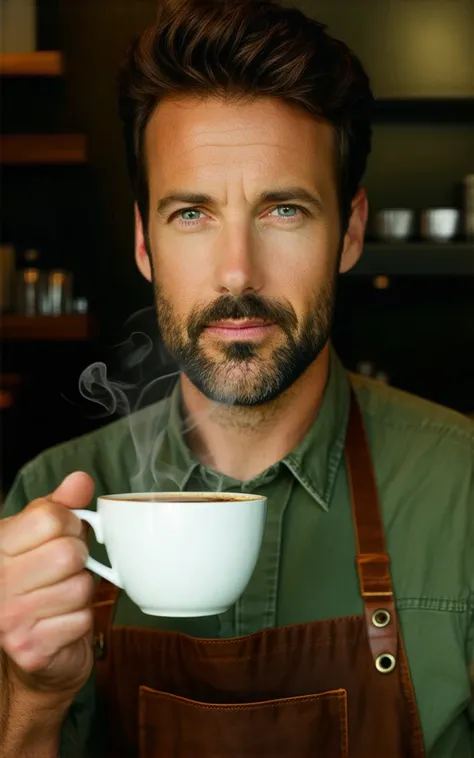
257, 607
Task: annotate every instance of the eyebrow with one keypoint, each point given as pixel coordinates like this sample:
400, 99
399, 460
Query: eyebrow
283, 195
192, 198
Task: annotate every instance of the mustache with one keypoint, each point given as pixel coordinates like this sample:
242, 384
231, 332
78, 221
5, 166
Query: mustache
245, 306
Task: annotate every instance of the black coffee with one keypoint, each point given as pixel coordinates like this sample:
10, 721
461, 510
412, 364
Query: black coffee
183, 498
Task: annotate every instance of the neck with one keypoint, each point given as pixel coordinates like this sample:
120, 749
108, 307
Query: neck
241, 442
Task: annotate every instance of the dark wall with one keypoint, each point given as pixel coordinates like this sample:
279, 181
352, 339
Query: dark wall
411, 48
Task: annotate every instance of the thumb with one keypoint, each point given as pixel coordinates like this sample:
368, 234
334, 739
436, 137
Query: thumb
75, 491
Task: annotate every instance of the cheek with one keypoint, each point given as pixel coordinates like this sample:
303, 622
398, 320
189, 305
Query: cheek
300, 264
178, 275
180, 251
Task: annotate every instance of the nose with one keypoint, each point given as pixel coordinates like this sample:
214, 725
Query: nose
236, 270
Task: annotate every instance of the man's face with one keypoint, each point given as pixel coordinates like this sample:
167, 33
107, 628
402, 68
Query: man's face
244, 242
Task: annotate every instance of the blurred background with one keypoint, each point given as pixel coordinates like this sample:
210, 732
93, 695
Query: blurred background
68, 282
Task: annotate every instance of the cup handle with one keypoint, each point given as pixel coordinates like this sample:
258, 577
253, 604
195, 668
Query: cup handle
105, 572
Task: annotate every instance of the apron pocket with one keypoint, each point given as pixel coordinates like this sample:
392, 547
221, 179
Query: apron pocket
310, 726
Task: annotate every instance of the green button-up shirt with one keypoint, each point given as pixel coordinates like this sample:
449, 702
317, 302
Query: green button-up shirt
423, 457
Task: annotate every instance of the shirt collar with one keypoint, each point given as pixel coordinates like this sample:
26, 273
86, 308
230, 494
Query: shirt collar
313, 462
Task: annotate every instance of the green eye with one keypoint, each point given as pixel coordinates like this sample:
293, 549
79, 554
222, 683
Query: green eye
286, 211
190, 215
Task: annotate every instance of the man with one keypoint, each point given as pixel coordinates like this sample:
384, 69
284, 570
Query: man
247, 130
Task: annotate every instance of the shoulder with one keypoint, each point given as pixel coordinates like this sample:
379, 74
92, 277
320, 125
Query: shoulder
423, 457
109, 455
424, 426
103, 448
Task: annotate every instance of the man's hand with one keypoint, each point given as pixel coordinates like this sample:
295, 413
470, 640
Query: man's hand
45, 593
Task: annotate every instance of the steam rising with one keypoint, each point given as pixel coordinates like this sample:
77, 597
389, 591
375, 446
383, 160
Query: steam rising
145, 378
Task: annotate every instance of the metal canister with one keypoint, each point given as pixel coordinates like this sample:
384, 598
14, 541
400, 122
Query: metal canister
31, 291
59, 297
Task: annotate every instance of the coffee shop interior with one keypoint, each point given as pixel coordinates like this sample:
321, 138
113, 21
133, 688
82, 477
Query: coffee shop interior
70, 294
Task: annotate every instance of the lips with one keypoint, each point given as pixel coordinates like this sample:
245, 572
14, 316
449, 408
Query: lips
241, 323
241, 329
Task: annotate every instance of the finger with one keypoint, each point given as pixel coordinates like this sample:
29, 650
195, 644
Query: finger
33, 649
39, 523
75, 491
47, 565
68, 596
47, 518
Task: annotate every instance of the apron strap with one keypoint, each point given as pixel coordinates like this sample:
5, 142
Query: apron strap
373, 561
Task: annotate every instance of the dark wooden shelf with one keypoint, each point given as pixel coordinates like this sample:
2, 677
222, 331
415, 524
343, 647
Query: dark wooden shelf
26, 149
416, 259
39, 63
424, 110
76, 327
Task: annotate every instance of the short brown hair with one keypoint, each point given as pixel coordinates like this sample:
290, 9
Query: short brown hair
243, 49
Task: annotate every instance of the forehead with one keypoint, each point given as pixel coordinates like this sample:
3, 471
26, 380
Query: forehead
188, 139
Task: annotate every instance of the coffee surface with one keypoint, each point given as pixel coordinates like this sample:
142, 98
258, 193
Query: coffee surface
184, 498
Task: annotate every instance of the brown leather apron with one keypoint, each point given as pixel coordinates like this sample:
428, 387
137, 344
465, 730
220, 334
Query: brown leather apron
339, 688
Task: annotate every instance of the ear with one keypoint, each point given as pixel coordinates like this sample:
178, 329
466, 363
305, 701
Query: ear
354, 237
142, 258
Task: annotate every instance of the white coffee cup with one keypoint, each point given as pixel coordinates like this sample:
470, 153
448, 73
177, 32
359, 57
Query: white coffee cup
179, 554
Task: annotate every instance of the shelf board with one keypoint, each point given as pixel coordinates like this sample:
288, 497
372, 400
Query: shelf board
39, 63
416, 259
27, 149
75, 327
424, 110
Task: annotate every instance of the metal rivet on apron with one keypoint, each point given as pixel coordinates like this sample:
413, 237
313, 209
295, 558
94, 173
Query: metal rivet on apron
385, 663
99, 646
381, 618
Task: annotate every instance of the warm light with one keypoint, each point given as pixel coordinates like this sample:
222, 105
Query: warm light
57, 278
31, 275
437, 45
381, 282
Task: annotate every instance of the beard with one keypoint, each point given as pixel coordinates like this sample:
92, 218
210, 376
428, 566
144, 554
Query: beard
239, 374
